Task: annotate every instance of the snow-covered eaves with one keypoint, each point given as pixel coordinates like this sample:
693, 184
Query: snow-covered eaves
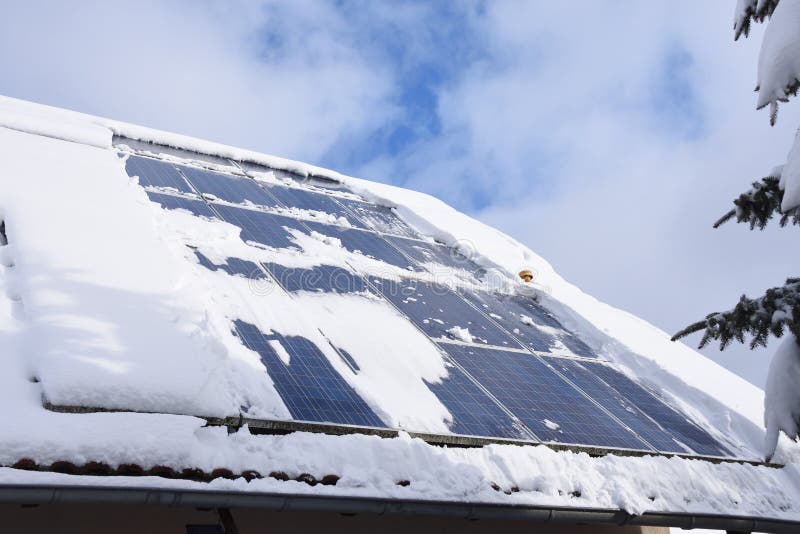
99, 287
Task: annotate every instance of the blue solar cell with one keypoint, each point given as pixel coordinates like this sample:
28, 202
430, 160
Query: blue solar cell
379, 218
325, 278
430, 255
308, 384
233, 266
675, 423
364, 242
265, 228
543, 401
474, 413
436, 309
229, 188
527, 320
172, 202
582, 375
156, 173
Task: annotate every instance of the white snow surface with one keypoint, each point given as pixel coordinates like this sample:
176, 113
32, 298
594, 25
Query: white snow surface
790, 177
779, 59
104, 304
782, 402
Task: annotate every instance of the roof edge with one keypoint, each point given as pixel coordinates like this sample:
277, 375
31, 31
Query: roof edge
195, 498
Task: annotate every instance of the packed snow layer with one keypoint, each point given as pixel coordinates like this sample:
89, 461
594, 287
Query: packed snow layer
101, 297
790, 177
779, 59
371, 467
782, 403
79, 319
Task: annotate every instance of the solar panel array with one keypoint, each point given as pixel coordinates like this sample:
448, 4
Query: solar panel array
521, 375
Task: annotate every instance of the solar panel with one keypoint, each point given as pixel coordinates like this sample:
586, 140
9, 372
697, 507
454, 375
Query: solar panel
675, 423
551, 408
322, 278
308, 384
236, 190
528, 321
305, 199
379, 218
233, 266
432, 254
173, 202
494, 388
436, 309
367, 243
582, 375
156, 173
474, 413
266, 228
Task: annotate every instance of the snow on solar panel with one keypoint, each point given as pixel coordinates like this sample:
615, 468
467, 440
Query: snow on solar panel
378, 218
551, 408
528, 321
237, 190
156, 173
325, 278
306, 381
305, 199
437, 258
266, 228
442, 313
173, 202
363, 242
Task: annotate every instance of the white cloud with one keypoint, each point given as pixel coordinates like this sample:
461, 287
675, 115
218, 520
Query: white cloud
199, 69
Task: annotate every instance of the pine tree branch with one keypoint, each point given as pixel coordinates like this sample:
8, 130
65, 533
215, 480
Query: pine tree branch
759, 204
752, 12
772, 313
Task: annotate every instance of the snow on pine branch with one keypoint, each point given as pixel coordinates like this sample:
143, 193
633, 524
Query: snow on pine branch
779, 308
782, 396
760, 203
748, 11
779, 59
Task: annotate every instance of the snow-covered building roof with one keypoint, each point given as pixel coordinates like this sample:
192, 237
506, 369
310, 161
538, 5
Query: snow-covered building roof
187, 317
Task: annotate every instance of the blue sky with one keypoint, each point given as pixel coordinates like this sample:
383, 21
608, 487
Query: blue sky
605, 135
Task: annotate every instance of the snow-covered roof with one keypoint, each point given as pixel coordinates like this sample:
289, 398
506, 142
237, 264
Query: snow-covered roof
147, 314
